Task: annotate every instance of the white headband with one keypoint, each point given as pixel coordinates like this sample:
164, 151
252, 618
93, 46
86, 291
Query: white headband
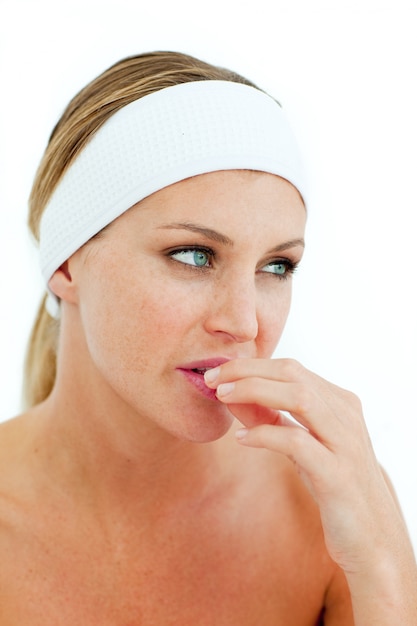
155, 141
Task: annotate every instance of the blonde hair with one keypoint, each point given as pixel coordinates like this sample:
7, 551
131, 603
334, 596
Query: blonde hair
126, 81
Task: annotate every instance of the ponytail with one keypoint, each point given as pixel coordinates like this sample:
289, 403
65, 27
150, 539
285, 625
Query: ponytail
40, 364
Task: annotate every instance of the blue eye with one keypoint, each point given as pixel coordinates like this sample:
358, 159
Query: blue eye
196, 257
281, 269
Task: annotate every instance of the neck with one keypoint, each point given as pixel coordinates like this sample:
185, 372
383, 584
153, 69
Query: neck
101, 446
117, 459
117, 464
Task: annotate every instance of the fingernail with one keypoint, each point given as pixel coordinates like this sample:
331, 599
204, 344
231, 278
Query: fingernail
211, 375
241, 433
224, 389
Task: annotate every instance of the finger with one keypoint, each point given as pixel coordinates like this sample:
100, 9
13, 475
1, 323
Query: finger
303, 403
285, 370
251, 415
315, 462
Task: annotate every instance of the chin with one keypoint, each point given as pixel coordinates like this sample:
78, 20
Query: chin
211, 429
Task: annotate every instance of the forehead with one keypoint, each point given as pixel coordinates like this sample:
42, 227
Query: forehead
243, 206
232, 193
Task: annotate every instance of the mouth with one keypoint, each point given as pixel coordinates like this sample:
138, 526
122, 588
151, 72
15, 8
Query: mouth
201, 366
201, 370
194, 373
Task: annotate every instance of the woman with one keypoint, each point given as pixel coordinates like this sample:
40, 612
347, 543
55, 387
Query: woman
155, 477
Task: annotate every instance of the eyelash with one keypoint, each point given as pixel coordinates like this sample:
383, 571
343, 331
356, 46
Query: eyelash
290, 266
208, 251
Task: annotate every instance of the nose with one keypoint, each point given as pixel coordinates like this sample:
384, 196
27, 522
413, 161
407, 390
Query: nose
233, 311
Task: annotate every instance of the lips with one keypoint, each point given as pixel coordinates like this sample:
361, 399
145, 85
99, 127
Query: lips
194, 373
200, 370
203, 365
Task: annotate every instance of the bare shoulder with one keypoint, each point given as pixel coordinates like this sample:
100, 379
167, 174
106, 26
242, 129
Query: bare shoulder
308, 566
11, 433
11, 461
9, 457
286, 526
15, 436
322, 577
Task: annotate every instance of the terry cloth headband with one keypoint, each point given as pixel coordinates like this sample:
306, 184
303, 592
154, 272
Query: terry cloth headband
155, 141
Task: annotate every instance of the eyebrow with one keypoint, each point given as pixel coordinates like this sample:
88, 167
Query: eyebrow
287, 245
214, 235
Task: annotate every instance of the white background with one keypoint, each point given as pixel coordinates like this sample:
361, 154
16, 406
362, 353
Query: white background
346, 75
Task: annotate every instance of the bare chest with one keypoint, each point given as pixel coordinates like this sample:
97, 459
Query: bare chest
192, 574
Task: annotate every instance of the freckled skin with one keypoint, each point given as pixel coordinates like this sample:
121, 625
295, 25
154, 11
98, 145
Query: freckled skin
124, 497
169, 313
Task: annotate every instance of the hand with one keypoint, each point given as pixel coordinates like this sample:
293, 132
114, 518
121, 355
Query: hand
329, 445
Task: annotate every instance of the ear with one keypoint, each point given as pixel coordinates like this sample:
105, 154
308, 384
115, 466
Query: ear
61, 284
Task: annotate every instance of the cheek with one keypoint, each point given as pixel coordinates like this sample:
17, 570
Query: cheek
129, 321
272, 319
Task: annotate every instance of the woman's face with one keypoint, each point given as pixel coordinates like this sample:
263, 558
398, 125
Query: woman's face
194, 275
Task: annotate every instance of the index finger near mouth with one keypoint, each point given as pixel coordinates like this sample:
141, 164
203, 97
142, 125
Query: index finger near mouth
301, 401
285, 370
